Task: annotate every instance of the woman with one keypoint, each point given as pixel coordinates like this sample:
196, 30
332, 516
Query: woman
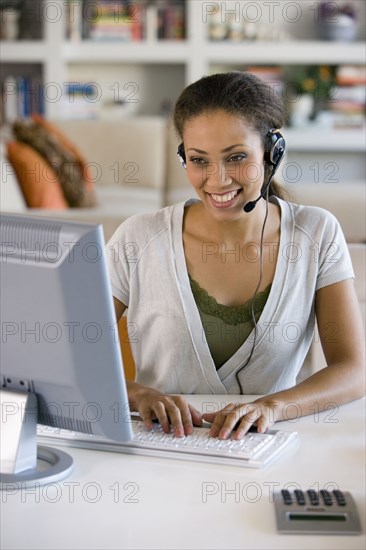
223, 290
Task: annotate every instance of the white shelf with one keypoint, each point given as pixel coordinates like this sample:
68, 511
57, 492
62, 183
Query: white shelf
320, 139
121, 52
290, 52
249, 53
25, 51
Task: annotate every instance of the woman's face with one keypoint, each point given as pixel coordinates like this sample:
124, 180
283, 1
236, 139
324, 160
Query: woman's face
224, 162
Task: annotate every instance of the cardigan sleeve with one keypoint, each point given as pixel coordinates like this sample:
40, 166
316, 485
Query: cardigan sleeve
120, 253
335, 263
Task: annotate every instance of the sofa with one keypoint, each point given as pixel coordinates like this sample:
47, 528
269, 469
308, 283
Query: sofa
135, 169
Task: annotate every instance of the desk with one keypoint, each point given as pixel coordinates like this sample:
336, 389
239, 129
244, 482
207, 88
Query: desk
113, 500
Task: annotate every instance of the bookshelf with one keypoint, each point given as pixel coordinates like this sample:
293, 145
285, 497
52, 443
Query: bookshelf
151, 71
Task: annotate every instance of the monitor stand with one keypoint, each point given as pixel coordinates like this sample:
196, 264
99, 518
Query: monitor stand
22, 463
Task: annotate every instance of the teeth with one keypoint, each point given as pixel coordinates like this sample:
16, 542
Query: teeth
224, 198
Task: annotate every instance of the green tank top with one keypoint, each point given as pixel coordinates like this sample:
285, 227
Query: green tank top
226, 327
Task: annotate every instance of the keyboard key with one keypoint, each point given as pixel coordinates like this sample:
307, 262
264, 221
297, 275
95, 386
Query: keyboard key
327, 497
300, 497
313, 497
287, 498
340, 498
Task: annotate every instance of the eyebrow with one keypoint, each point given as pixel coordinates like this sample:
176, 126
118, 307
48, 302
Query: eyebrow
223, 151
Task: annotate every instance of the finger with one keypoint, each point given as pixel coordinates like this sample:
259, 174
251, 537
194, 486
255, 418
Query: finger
175, 418
223, 423
186, 420
196, 416
232, 416
252, 415
162, 416
146, 415
180, 416
263, 423
244, 426
209, 417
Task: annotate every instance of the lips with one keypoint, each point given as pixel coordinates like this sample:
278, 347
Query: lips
225, 199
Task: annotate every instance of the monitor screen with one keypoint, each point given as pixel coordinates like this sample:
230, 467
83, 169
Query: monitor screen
59, 336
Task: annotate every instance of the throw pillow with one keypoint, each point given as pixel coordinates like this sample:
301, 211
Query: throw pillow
66, 167
70, 147
38, 181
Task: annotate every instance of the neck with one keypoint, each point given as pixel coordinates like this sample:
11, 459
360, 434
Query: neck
246, 228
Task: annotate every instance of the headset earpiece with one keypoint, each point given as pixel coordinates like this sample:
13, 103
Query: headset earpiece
182, 156
274, 149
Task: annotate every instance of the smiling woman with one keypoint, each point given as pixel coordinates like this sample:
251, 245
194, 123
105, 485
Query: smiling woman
209, 316
228, 176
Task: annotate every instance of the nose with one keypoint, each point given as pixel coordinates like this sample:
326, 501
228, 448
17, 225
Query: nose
217, 175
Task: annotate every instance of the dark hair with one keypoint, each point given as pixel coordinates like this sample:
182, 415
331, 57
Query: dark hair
238, 93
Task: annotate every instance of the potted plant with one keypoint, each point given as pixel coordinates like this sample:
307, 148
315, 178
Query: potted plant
337, 21
308, 90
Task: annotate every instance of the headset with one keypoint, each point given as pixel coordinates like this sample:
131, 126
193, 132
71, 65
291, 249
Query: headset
182, 155
274, 150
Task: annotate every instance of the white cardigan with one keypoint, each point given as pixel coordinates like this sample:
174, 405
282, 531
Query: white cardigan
149, 274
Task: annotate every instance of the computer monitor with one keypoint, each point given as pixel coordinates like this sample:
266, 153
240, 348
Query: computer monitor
61, 361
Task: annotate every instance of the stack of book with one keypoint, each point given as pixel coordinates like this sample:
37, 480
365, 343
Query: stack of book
80, 101
21, 96
273, 75
112, 20
122, 20
169, 20
349, 98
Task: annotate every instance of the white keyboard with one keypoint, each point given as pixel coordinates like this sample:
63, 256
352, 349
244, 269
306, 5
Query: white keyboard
254, 450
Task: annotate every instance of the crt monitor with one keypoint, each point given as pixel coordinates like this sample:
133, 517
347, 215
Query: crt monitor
61, 361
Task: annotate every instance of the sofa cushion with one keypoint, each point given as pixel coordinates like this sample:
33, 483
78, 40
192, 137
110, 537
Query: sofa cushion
129, 152
346, 202
358, 257
38, 181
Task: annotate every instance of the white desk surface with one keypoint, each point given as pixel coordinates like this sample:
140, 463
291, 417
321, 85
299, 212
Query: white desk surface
112, 500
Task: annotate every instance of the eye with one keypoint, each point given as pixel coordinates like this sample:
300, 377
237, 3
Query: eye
198, 160
237, 157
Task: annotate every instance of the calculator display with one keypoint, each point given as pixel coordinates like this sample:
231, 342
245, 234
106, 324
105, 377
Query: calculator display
317, 517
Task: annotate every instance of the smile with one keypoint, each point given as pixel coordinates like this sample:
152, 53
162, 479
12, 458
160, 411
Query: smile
224, 198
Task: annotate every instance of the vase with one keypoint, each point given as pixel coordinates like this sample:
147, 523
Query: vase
343, 29
9, 24
301, 110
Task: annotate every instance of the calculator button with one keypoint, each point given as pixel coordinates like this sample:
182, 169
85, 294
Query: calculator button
286, 495
313, 497
340, 498
300, 498
327, 497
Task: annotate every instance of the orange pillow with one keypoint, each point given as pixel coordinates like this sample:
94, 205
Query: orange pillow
69, 146
38, 181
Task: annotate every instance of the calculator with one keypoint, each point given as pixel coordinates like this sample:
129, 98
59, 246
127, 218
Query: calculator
316, 512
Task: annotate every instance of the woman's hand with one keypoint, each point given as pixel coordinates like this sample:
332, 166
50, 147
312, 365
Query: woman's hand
172, 411
237, 418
